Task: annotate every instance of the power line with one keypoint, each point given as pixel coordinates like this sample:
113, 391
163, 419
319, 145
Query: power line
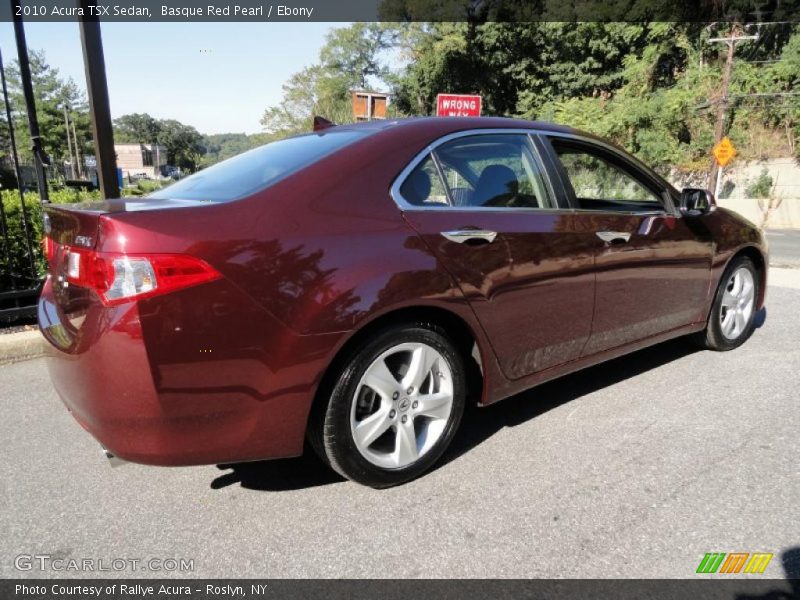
754, 95
770, 23
765, 94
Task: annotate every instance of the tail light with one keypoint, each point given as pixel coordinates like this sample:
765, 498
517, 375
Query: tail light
120, 278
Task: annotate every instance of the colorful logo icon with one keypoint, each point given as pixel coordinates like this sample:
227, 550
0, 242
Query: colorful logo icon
734, 562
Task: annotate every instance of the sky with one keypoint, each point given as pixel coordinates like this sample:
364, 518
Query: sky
218, 77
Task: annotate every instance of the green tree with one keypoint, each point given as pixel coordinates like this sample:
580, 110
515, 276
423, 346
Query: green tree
217, 147
183, 142
136, 128
52, 93
651, 87
349, 59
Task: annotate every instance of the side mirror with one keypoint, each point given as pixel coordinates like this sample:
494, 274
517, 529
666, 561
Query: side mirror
695, 201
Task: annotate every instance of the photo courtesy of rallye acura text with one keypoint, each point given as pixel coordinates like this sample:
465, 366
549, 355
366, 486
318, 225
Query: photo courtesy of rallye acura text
357, 286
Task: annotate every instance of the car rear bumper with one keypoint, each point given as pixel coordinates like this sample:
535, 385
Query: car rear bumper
198, 377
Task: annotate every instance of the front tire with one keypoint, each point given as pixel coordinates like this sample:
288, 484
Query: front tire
732, 318
395, 407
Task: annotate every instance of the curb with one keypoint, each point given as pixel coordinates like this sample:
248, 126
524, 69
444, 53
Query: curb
21, 346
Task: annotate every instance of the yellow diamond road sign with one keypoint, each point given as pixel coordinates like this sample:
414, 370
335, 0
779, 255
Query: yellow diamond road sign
724, 151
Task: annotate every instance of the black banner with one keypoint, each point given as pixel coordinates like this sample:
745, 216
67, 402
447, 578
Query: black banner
409, 589
406, 10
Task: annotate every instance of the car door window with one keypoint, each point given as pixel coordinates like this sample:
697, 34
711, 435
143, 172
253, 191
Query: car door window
601, 183
479, 171
424, 187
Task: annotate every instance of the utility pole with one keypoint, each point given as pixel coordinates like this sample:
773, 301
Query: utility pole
735, 35
78, 154
69, 143
97, 88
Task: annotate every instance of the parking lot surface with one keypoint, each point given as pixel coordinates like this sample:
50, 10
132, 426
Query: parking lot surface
635, 468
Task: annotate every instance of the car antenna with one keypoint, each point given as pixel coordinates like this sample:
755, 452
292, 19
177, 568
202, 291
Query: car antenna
321, 123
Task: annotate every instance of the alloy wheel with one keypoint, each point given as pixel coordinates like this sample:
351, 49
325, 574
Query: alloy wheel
738, 301
402, 405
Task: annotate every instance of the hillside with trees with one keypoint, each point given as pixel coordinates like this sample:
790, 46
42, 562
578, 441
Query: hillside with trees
653, 88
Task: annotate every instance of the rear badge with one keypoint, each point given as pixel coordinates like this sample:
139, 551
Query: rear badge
84, 240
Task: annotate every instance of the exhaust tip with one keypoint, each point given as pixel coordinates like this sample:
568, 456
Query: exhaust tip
113, 461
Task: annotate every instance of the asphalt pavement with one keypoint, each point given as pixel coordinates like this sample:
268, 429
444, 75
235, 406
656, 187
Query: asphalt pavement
635, 468
784, 247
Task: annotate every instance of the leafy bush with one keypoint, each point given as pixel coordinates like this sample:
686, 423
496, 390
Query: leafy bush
149, 185
761, 187
14, 261
144, 187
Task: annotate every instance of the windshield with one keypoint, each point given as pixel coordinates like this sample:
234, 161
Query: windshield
256, 169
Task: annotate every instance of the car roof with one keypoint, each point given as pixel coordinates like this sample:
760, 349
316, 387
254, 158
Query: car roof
444, 125
433, 128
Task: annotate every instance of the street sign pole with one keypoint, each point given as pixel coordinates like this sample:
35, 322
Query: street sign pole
718, 185
97, 88
724, 152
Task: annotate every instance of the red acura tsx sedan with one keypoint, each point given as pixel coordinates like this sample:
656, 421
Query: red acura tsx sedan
357, 285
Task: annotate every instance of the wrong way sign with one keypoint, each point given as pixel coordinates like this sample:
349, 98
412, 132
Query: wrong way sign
458, 105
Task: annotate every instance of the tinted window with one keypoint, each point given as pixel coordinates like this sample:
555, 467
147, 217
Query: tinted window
496, 170
252, 171
602, 184
492, 171
423, 187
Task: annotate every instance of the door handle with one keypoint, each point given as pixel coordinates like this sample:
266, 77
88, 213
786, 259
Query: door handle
466, 235
614, 237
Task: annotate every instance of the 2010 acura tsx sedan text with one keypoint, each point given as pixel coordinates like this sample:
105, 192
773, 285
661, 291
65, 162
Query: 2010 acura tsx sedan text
358, 285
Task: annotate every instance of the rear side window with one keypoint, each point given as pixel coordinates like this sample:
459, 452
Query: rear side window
257, 169
423, 187
495, 171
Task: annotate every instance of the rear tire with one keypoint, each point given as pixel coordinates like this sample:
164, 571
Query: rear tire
732, 318
394, 408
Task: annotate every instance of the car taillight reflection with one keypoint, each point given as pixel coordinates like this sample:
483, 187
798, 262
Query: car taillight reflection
49, 248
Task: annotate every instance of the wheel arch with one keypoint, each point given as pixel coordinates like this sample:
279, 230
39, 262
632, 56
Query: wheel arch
455, 326
760, 261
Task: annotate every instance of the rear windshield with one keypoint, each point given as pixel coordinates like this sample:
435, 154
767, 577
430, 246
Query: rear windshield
256, 169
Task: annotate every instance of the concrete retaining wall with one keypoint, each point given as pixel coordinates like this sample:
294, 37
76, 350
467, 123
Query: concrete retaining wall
737, 177
785, 216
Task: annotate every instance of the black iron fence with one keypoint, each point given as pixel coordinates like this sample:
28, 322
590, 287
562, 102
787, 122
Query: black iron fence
20, 254
20, 276
22, 265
